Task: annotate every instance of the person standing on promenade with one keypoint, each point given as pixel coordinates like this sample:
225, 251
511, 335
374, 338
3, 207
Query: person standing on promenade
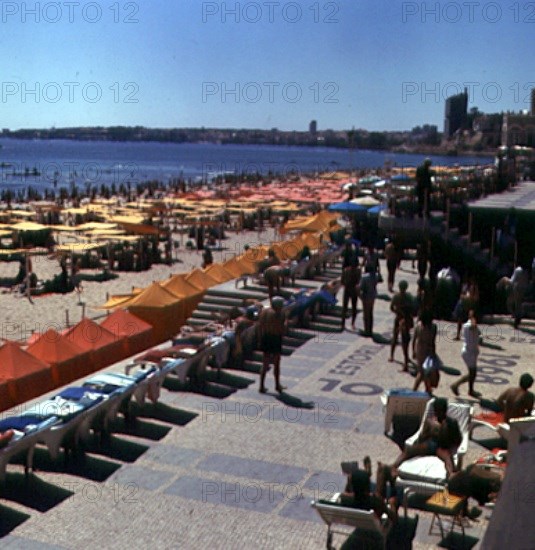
469, 354
351, 276
371, 260
424, 346
422, 258
423, 187
368, 293
271, 328
401, 306
392, 258
520, 284
349, 254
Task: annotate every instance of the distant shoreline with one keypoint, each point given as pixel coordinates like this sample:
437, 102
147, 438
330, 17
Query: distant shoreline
438, 150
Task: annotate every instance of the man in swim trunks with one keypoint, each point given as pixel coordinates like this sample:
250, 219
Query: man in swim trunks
271, 328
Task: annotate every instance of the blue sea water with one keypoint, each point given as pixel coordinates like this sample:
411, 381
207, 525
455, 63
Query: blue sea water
63, 162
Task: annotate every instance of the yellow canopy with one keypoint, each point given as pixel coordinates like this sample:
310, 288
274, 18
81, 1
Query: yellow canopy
95, 225
201, 279
218, 272
153, 296
234, 267
116, 301
78, 247
178, 285
132, 219
63, 228
319, 222
29, 226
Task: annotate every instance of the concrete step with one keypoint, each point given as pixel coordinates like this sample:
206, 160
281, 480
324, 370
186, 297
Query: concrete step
292, 342
322, 327
214, 307
222, 300
239, 293
199, 314
251, 366
328, 320
301, 334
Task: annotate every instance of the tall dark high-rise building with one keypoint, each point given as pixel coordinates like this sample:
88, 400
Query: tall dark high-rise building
533, 102
456, 113
313, 127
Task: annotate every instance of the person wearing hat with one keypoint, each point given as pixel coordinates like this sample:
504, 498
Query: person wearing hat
401, 306
271, 328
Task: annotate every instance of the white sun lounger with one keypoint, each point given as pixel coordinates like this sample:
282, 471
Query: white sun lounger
24, 441
335, 514
76, 421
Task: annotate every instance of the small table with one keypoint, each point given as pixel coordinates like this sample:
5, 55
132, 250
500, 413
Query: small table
446, 504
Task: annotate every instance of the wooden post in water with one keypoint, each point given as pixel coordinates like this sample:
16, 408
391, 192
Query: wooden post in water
67, 318
83, 310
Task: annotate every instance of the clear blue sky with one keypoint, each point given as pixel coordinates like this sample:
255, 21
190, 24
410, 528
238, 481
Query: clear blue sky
374, 64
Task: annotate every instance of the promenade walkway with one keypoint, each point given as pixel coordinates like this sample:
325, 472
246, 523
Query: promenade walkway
238, 469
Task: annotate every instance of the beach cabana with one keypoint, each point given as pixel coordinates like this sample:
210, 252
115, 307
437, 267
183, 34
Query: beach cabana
160, 308
5, 398
67, 361
234, 267
200, 279
217, 272
190, 295
103, 346
25, 375
134, 333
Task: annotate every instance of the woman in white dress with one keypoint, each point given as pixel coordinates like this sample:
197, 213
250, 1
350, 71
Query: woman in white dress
469, 353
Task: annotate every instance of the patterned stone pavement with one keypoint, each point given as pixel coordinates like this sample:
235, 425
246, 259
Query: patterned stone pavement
240, 471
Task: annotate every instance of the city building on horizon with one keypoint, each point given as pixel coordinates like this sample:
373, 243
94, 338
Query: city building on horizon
313, 127
456, 113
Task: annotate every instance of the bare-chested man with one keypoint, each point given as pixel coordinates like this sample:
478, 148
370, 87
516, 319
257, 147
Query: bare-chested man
271, 328
517, 402
274, 277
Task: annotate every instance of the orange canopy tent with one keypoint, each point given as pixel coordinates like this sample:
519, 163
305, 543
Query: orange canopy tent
234, 267
5, 398
199, 278
160, 308
320, 222
105, 348
67, 361
26, 376
218, 272
190, 295
136, 334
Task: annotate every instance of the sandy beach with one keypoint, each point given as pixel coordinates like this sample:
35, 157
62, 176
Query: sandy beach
20, 318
